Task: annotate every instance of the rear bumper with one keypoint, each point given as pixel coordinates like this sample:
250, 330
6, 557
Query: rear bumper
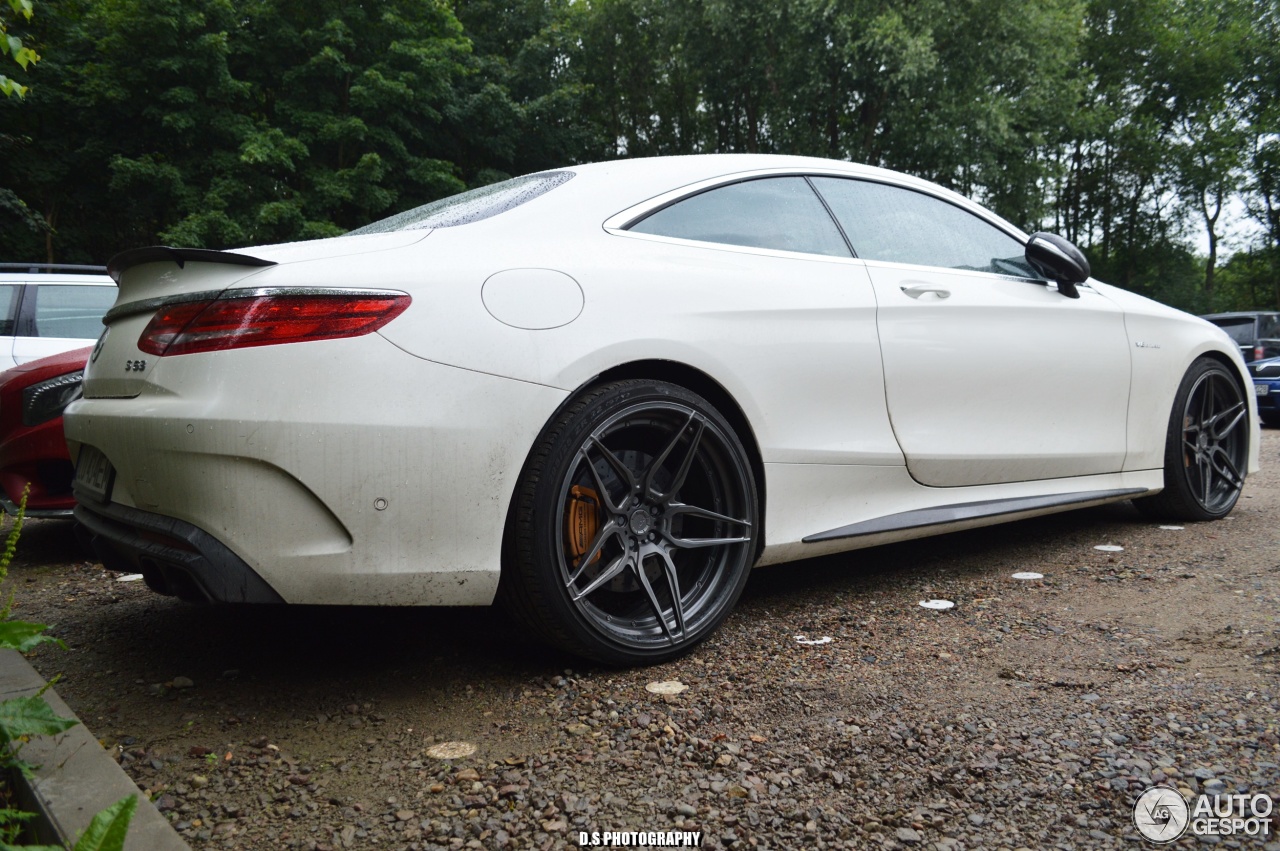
340, 472
175, 557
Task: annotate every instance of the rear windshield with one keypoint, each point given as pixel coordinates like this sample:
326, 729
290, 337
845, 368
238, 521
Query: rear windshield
1241, 330
471, 206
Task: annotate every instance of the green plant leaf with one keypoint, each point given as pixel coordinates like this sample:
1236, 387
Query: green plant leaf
30, 716
23, 636
108, 829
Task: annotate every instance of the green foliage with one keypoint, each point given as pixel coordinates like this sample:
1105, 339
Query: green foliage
12, 823
1250, 279
13, 47
108, 829
11, 546
22, 718
25, 637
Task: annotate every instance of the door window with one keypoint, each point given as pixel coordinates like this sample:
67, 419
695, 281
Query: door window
782, 213
71, 311
903, 226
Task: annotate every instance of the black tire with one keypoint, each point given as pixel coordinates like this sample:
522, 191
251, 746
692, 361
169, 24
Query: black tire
1206, 448
1271, 419
633, 526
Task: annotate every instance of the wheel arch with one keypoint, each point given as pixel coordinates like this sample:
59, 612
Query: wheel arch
691, 378
1230, 366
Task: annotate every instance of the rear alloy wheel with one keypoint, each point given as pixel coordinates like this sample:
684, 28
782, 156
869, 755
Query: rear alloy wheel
634, 526
1207, 447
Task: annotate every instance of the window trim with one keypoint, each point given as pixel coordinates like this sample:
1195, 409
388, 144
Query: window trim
24, 316
618, 224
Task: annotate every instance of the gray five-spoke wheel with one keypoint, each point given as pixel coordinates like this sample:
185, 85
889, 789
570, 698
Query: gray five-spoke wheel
637, 530
1215, 441
1206, 447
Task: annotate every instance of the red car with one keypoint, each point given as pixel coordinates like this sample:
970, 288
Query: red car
33, 396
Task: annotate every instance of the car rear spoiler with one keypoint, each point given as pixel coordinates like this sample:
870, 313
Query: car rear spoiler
153, 253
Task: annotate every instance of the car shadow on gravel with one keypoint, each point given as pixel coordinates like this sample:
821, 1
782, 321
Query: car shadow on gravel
290, 645
315, 646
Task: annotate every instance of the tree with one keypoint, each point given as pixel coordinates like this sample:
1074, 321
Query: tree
1204, 55
241, 123
1262, 186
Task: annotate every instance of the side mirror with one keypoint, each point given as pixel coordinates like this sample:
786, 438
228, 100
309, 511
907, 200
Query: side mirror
1059, 261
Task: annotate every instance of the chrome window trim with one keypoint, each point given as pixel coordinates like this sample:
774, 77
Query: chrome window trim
995, 276
618, 223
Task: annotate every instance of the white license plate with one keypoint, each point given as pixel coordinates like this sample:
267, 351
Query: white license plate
1262, 389
93, 474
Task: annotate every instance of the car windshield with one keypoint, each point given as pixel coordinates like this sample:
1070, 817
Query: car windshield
471, 206
1241, 330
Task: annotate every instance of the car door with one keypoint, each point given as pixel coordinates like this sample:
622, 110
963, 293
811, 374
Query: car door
991, 375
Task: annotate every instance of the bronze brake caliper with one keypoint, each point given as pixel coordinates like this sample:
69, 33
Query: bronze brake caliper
582, 522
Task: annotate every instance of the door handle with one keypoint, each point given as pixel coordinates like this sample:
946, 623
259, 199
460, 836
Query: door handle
917, 290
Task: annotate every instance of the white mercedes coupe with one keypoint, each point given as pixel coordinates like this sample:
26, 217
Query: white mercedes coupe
602, 394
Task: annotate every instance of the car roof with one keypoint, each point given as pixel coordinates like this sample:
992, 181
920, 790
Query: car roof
630, 179
602, 190
1240, 314
53, 273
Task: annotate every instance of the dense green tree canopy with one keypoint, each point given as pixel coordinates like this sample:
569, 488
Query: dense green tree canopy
1129, 126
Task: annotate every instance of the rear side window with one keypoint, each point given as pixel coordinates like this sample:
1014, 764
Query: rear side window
903, 226
471, 206
71, 311
782, 213
1269, 326
1241, 330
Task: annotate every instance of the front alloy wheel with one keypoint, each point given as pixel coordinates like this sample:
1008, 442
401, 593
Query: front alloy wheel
635, 525
1207, 447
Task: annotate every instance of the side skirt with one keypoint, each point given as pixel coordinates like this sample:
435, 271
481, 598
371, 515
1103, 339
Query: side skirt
944, 514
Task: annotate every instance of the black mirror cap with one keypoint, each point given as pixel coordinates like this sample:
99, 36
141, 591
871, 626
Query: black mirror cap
1058, 260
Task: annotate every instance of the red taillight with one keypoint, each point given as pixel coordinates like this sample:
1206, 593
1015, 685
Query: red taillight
266, 320
1259, 352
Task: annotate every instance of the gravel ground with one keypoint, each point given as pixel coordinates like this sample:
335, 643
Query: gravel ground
1029, 716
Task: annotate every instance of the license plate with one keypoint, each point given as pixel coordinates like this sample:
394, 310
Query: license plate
1262, 389
93, 474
